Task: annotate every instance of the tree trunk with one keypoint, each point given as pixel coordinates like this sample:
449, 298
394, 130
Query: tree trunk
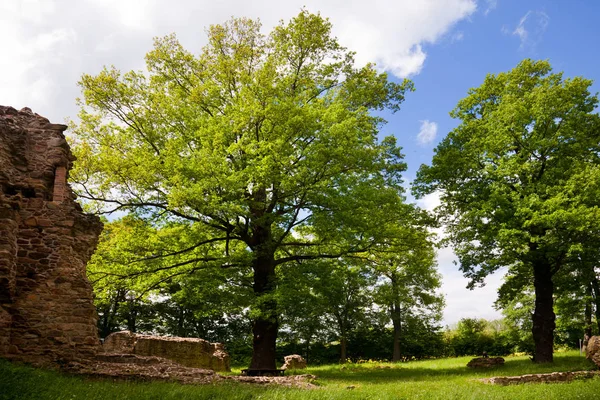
395, 314
265, 324
587, 329
307, 341
396, 356
104, 329
342, 320
343, 349
307, 351
132, 319
543, 316
110, 314
596, 297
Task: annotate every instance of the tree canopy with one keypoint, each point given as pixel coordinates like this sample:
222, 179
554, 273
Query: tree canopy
518, 180
259, 152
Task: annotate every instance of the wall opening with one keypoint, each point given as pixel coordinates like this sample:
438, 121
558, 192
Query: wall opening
10, 190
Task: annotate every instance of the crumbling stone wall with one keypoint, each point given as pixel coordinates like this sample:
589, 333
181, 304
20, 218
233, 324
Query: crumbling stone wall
46, 301
190, 352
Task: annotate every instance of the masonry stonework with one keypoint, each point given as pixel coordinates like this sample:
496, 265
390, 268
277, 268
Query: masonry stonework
189, 352
46, 301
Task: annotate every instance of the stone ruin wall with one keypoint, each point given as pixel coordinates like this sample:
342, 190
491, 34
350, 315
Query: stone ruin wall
46, 301
189, 352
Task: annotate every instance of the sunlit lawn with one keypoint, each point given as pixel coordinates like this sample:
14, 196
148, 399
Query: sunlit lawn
433, 379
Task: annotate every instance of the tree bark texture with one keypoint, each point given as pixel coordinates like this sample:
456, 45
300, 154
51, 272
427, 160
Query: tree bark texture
265, 326
543, 316
587, 329
396, 356
596, 297
343, 349
395, 314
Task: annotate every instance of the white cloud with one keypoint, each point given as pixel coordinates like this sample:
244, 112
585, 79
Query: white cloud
48, 44
427, 132
490, 6
520, 30
462, 302
429, 202
530, 29
457, 37
392, 33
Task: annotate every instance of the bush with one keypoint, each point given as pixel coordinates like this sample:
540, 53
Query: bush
474, 336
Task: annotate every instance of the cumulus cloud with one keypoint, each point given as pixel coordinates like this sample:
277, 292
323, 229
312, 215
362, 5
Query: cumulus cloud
427, 132
393, 33
48, 44
530, 29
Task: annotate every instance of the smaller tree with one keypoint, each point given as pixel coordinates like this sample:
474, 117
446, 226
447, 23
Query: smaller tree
517, 307
470, 338
304, 311
474, 336
345, 290
119, 287
408, 281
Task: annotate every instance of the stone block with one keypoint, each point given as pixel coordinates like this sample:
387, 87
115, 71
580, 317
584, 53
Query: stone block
294, 361
189, 352
486, 362
592, 350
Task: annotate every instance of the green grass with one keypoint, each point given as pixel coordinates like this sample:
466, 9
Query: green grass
433, 379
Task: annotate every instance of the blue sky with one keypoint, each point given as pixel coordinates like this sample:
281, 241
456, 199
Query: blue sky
564, 32
444, 46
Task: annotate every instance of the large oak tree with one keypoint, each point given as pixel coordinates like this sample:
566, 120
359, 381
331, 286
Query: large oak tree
515, 178
263, 149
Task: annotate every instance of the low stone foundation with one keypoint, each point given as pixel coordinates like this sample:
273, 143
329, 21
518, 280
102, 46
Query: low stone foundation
189, 352
138, 368
143, 368
540, 378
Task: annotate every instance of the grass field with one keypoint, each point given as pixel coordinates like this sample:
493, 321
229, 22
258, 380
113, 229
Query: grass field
433, 379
